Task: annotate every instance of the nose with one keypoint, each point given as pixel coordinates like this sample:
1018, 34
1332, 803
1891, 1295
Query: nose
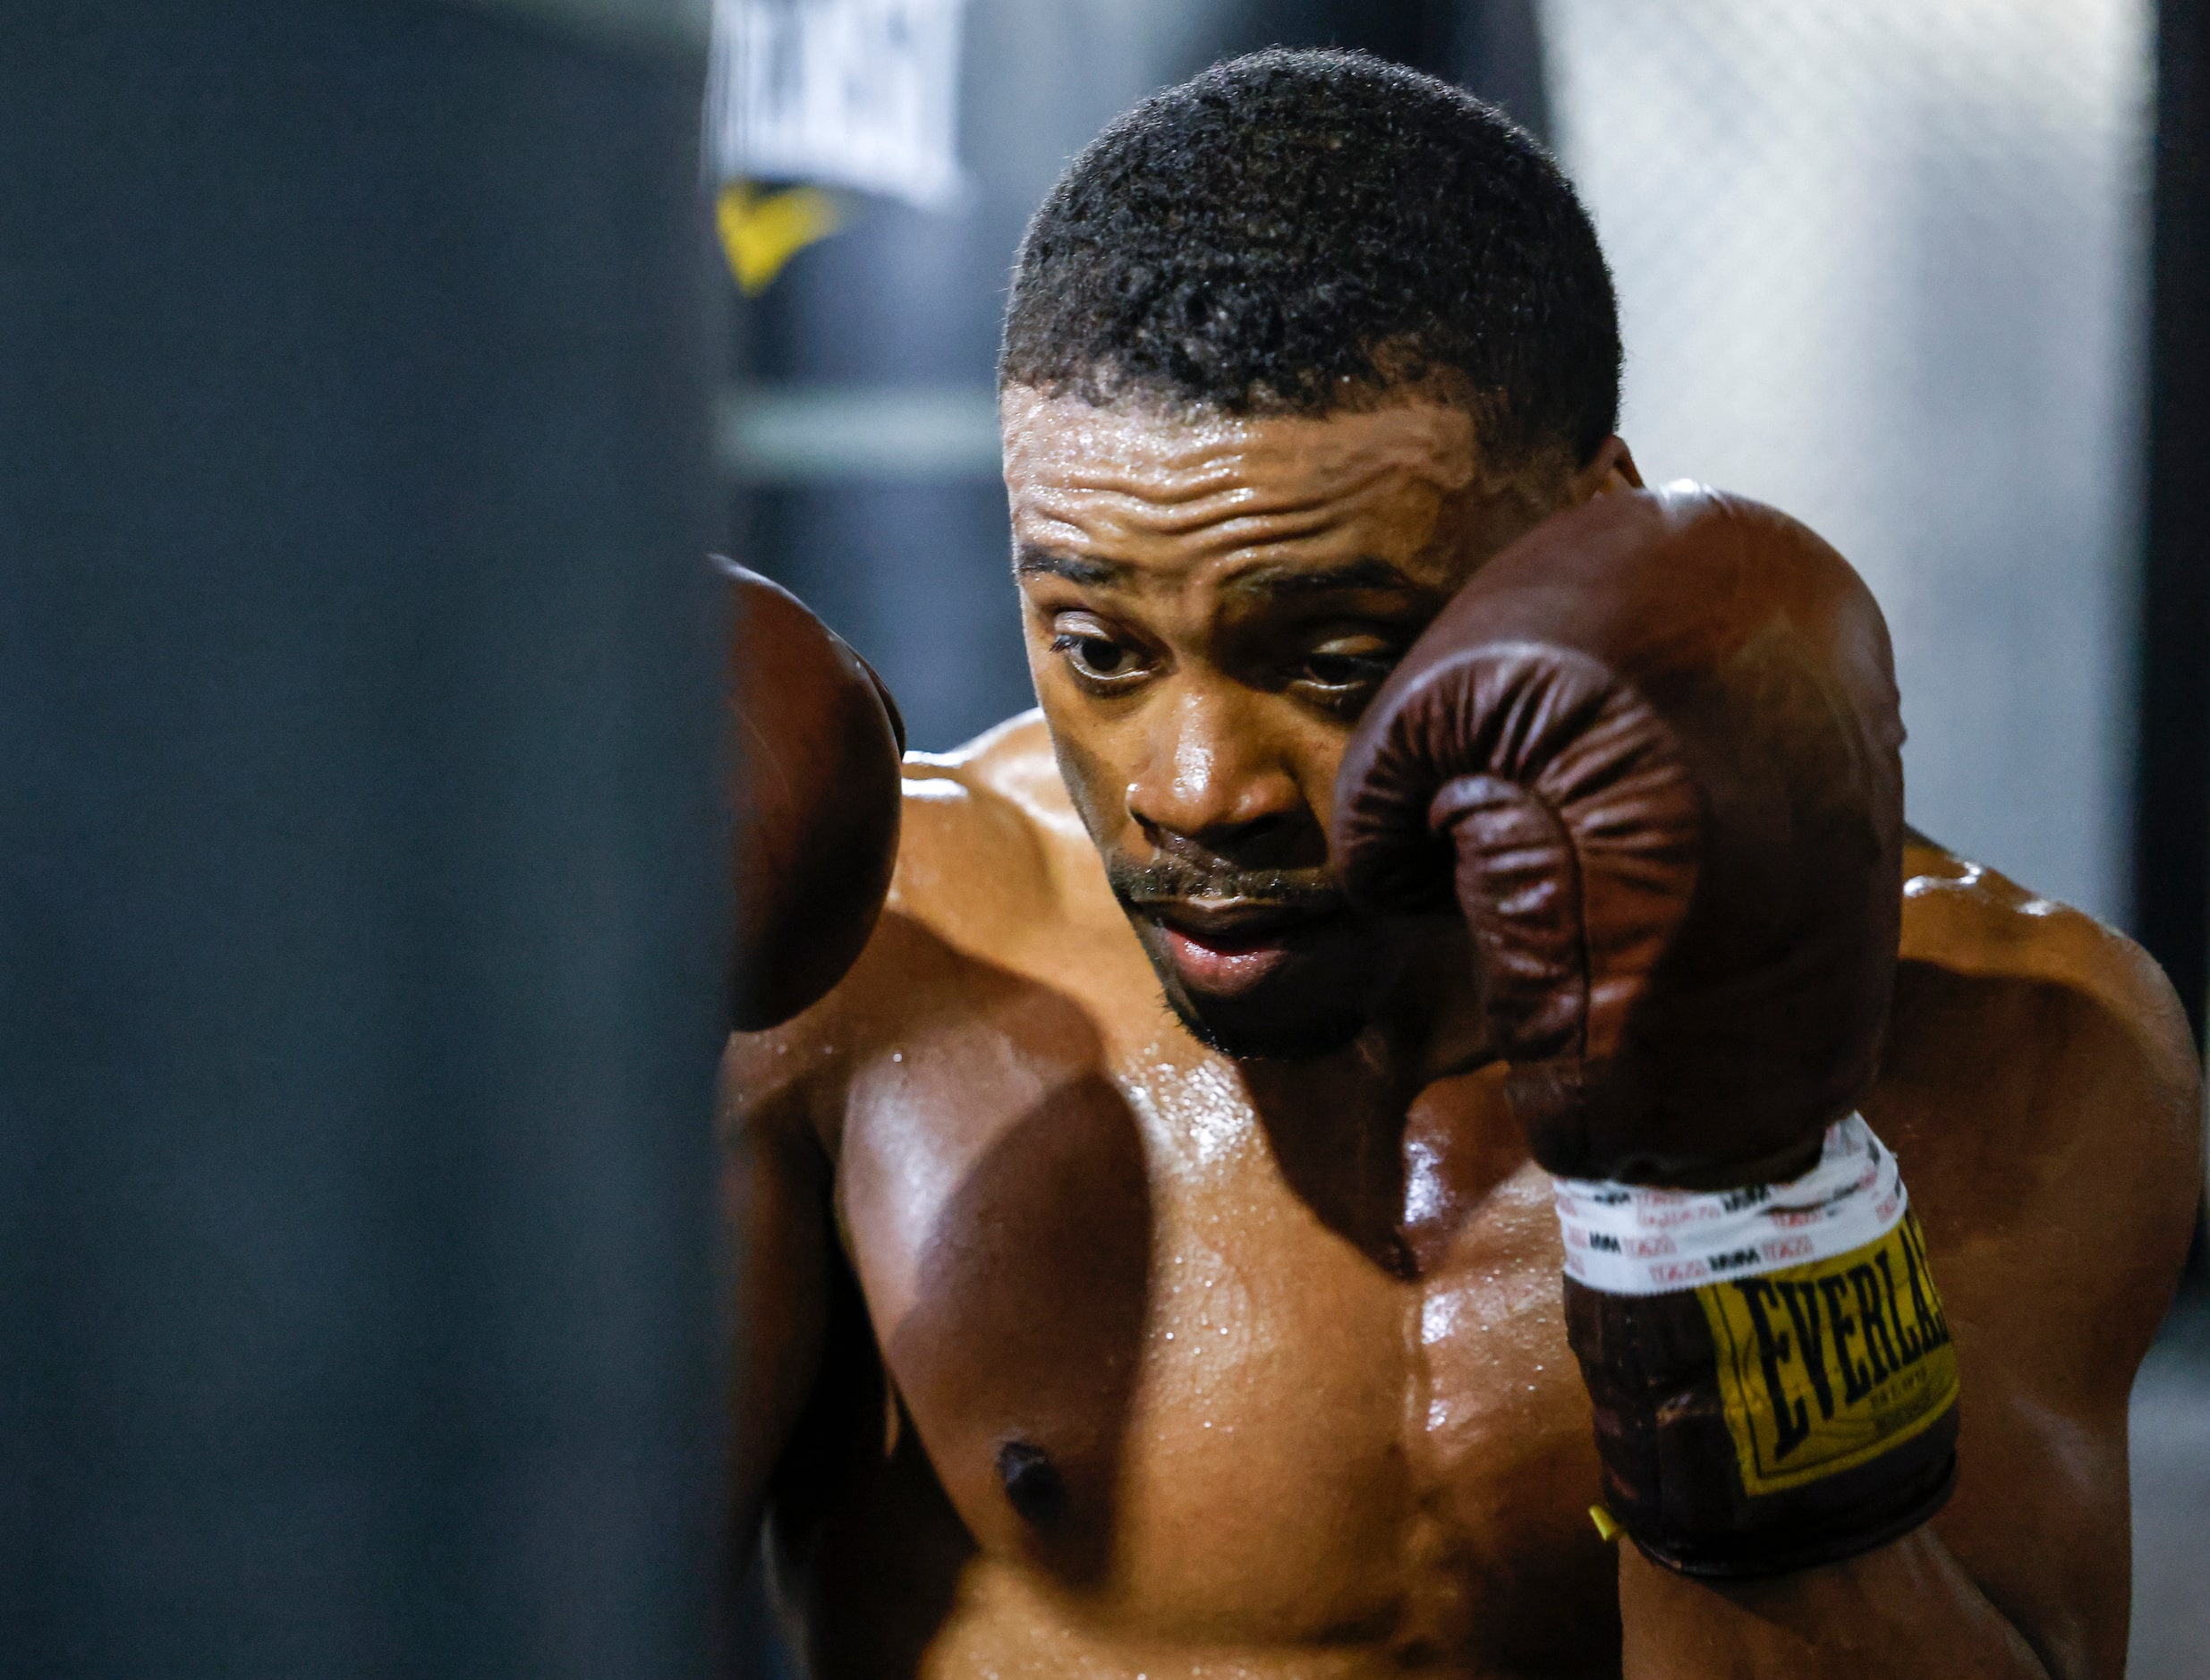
1215, 782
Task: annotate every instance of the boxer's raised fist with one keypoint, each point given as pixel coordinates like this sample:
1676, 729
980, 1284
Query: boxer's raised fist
1652, 749
815, 741
1652, 752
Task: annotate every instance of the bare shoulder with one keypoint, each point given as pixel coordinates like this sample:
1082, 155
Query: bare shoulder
987, 831
2042, 1090
1969, 921
1976, 942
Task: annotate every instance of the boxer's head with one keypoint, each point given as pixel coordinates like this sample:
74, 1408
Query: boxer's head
1292, 348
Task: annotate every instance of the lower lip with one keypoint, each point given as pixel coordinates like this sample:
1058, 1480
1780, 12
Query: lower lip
1224, 969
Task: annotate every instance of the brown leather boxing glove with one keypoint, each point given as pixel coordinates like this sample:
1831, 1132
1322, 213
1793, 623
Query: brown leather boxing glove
815, 746
1652, 752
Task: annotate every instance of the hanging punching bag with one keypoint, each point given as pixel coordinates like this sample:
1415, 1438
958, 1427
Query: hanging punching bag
361, 910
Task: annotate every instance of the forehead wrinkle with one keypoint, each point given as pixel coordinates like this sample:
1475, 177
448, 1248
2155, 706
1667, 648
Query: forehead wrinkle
1163, 480
1229, 493
1171, 460
1232, 486
1275, 511
1222, 554
1228, 521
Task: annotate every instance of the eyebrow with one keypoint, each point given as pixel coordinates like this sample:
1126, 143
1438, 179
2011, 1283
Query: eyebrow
1352, 575
1277, 581
1031, 562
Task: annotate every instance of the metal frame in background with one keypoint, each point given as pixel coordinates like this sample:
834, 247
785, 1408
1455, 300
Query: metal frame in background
2171, 798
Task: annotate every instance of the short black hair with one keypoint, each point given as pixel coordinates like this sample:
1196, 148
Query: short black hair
1298, 232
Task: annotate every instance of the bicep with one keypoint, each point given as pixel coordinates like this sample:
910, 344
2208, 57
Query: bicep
2040, 1519
2054, 1293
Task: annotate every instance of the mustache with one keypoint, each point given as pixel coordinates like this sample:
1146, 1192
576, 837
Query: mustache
1171, 879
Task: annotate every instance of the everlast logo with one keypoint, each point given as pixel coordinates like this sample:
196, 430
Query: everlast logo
1827, 1365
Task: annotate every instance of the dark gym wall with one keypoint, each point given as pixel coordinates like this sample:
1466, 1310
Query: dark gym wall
359, 900
909, 560
2171, 799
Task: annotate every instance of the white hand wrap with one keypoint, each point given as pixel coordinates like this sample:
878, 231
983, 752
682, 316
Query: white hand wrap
1633, 1240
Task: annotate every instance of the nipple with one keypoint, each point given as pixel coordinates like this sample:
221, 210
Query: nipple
1031, 1480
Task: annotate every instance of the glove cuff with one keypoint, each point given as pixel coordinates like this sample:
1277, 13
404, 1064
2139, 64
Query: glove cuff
1773, 1376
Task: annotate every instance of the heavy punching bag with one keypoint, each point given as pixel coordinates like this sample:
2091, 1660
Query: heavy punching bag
362, 868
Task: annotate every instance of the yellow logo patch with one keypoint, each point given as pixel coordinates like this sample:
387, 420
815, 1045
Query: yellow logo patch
1824, 1366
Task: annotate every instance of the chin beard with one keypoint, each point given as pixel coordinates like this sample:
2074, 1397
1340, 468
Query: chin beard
1252, 1032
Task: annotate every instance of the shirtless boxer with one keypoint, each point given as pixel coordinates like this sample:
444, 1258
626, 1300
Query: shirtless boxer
1097, 1335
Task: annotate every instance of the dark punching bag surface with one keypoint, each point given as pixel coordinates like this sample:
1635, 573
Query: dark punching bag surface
361, 868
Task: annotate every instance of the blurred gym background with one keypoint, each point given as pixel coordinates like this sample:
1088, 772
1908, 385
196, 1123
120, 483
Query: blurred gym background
371, 373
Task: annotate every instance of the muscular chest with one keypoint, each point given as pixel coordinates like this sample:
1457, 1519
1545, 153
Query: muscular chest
1170, 1372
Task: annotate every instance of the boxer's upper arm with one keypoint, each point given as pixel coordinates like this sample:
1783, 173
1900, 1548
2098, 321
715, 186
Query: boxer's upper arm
774, 1201
2058, 1222
782, 1115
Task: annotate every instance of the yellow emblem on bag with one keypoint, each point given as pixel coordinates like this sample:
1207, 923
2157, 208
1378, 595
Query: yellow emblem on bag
762, 231
1825, 1366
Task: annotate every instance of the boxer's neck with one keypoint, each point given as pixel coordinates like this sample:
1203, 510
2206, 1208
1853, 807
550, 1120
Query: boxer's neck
1389, 1138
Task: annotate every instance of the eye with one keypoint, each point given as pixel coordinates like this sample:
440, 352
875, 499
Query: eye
1348, 664
1096, 656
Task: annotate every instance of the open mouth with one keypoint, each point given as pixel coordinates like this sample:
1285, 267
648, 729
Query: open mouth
1229, 946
